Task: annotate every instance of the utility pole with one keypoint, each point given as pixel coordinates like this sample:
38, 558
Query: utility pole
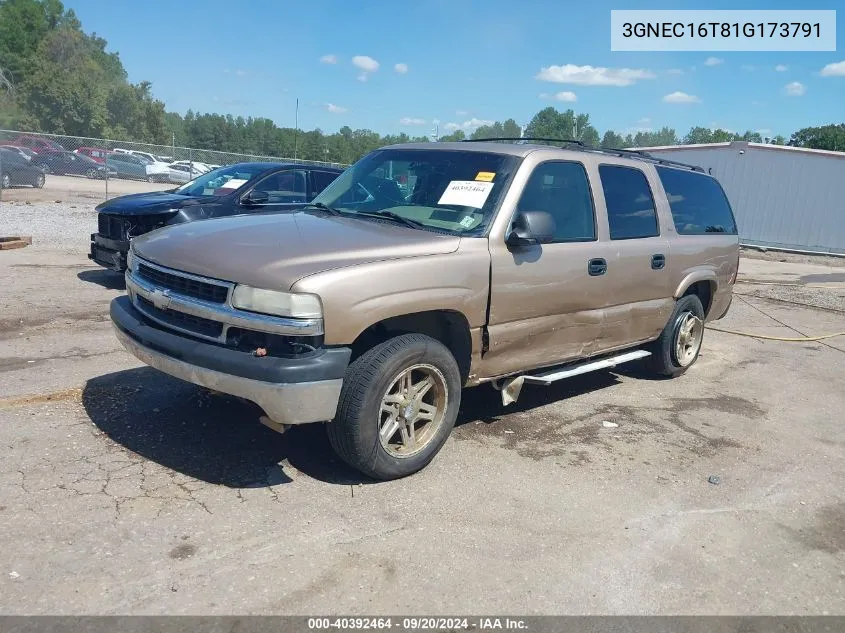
296, 131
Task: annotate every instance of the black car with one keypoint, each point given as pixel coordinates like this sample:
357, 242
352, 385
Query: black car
229, 190
15, 170
63, 163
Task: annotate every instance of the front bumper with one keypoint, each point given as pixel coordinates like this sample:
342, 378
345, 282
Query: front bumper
290, 390
108, 253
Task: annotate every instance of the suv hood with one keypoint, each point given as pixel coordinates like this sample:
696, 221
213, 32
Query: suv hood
148, 203
274, 251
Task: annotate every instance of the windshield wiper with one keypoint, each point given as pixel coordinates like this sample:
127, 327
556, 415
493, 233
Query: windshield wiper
324, 207
390, 215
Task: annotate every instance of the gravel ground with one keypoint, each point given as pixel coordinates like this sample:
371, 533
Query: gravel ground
53, 225
825, 298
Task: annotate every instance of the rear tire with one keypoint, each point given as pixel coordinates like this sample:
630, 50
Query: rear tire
397, 407
40, 179
679, 344
5, 182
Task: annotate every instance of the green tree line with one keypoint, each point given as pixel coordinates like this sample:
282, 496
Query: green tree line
55, 78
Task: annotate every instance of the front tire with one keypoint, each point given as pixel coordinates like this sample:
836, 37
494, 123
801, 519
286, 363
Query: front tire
397, 407
679, 344
5, 182
40, 179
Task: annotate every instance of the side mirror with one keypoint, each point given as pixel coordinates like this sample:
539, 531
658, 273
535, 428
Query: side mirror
256, 197
530, 228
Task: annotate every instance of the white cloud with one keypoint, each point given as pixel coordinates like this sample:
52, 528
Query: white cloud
680, 97
362, 77
764, 132
365, 63
461, 113
468, 126
335, 109
400, 68
713, 61
328, 59
409, 120
781, 68
836, 69
593, 75
566, 95
675, 71
794, 89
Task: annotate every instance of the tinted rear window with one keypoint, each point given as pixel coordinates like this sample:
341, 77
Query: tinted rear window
699, 205
630, 206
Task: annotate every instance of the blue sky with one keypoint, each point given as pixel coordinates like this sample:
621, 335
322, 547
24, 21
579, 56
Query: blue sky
461, 63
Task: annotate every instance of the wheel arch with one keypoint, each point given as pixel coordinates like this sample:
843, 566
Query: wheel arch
449, 327
703, 284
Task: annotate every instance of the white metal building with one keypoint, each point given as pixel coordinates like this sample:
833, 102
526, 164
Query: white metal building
787, 198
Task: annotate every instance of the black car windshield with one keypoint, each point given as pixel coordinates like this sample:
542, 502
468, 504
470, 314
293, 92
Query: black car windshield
454, 191
222, 181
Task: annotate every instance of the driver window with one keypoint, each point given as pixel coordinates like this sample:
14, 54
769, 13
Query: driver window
283, 187
561, 189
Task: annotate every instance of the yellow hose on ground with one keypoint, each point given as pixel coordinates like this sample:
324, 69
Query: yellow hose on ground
804, 339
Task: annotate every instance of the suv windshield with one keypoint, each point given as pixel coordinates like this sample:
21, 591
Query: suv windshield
451, 191
221, 182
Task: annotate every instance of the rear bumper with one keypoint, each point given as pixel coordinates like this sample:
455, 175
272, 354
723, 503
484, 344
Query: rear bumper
290, 390
108, 253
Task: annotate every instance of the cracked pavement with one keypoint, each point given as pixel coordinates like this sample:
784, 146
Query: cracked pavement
124, 491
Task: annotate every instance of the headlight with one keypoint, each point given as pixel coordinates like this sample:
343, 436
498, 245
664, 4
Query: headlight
275, 302
130, 260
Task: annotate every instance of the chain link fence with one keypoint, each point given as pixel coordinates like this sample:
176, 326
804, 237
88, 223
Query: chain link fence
105, 167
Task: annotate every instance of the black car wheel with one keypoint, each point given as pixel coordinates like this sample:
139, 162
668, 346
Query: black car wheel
39, 181
91, 173
5, 182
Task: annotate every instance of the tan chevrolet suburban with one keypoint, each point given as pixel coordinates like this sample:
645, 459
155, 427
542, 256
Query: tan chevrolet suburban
427, 268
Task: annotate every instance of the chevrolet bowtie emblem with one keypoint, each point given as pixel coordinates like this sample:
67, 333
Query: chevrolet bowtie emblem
161, 299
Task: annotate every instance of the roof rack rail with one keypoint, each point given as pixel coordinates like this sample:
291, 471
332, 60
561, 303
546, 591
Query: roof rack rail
581, 146
567, 141
642, 154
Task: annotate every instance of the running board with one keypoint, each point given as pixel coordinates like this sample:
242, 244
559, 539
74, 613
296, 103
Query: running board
510, 387
553, 375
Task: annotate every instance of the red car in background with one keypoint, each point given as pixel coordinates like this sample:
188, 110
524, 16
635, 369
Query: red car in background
94, 153
35, 143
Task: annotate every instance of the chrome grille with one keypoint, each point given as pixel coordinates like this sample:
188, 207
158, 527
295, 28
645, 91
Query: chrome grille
181, 320
184, 285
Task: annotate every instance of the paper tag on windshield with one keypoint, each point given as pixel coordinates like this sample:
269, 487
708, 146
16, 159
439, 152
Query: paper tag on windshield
234, 183
466, 193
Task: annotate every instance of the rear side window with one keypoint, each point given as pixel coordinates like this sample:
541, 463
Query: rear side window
630, 205
698, 203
